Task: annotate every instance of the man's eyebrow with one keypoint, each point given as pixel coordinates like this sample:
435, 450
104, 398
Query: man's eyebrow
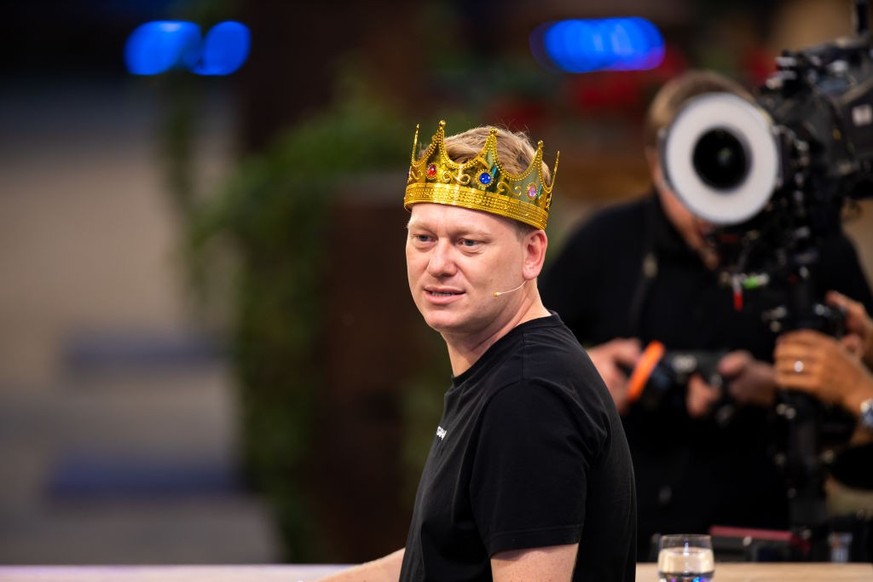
462, 230
472, 230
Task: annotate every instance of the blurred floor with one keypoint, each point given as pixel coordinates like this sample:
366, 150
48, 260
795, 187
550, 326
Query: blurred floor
118, 425
133, 468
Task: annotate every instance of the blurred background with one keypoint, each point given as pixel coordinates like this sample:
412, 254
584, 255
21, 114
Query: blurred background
207, 349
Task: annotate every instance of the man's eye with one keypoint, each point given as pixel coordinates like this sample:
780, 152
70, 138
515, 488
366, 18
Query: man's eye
466, 242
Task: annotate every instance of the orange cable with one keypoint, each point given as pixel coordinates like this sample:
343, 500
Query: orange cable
643, 370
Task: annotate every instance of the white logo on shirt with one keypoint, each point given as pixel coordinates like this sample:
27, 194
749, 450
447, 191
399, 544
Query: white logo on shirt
441, 433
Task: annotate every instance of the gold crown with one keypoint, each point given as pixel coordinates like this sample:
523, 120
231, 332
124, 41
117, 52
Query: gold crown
480, 183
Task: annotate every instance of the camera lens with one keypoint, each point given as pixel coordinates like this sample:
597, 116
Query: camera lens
720, 160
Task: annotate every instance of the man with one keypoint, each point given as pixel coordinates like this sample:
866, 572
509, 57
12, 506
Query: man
641, 272
529, 476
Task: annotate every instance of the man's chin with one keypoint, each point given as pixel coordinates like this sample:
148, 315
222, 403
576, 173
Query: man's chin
443, 322
439, 324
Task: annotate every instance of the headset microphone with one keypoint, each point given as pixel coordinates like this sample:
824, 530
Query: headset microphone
499, 293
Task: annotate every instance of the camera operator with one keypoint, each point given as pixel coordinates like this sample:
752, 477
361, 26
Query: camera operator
642, 271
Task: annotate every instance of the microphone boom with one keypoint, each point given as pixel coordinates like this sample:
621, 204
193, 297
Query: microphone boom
499, 293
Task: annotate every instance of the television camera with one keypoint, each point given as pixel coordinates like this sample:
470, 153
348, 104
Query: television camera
774, 176
777, 174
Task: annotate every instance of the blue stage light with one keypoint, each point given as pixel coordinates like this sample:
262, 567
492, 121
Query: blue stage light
645, 48
157, 47
574, 47
224, 50
584, 45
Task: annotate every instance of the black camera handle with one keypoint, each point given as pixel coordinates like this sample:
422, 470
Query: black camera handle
804, 466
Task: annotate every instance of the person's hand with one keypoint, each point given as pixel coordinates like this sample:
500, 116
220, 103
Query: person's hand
820, 365
612, 359
748, 382
700, 396
859, 326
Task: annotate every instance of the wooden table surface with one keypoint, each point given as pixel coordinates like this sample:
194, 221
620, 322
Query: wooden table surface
761, 572
727, 572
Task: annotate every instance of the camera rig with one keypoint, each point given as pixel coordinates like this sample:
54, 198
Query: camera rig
776, 175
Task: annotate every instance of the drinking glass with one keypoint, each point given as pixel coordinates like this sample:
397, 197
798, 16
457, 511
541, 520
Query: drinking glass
685, 558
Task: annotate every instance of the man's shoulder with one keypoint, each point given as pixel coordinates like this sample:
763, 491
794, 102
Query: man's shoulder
546, 341
547, 334
551, 353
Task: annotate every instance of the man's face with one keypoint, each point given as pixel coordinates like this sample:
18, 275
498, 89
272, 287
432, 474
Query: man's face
455, 260
692, 229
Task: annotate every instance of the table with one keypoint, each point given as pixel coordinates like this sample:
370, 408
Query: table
727, 572
782, 572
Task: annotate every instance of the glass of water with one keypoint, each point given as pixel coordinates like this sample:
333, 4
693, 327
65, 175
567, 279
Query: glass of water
685, 558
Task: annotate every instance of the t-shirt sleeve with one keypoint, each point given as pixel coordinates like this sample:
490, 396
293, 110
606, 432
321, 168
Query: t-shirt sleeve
532, 458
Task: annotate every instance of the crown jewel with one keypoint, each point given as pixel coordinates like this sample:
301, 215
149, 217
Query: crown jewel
480, 183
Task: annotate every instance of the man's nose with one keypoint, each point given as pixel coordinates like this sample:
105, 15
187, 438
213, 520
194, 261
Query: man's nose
441, 261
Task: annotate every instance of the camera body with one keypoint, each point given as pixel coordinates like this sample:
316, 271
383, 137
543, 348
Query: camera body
660, 378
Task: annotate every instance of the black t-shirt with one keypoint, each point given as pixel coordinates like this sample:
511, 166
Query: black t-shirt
530, 452
691, 474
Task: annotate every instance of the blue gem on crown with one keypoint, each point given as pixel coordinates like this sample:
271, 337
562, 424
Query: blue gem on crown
485, 178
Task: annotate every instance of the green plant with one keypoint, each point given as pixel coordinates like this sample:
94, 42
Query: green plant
273, 215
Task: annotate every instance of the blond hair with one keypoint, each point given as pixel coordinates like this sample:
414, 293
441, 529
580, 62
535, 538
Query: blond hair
514, 149
678, 91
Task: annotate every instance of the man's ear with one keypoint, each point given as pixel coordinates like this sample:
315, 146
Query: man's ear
535, 245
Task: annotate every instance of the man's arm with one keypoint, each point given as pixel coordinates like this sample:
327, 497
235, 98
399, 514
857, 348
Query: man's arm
384, 569
549, 564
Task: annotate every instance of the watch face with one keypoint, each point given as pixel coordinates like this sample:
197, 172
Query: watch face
866, 418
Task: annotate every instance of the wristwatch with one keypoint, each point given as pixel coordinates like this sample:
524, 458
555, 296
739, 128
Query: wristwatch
866, 416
